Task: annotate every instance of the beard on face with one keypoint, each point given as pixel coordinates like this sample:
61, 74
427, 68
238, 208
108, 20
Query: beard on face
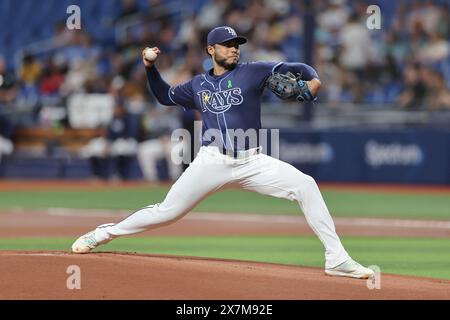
221, 61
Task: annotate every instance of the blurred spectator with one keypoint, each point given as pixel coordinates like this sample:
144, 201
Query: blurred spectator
30, 75
6, 145
280, 7
334, 16
425, 13
356, 54
443, 24
209, 15
6, 130
6, 126
8, 93
395, 47
435, 50
112, 154
30, 71
293, 40
331, 74
415, 90
439, 96
160, 124
187, 35
53, 76
78, 74
122, 136
9, 87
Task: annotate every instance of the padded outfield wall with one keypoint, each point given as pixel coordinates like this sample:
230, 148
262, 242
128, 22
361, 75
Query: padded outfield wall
357, 155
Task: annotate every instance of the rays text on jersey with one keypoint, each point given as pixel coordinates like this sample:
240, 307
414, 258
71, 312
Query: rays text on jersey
220, 101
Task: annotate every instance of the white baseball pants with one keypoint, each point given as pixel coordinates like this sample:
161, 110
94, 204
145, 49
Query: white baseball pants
261, 173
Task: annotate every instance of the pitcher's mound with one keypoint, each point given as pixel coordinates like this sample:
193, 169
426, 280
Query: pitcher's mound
50, 274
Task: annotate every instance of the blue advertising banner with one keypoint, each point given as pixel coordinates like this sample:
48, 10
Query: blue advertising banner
399, 156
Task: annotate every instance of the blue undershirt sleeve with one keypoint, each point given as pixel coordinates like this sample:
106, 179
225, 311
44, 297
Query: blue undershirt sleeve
181, 95
159, 87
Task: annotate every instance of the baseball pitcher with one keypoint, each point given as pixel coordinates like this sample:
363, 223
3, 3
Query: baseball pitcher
228, 98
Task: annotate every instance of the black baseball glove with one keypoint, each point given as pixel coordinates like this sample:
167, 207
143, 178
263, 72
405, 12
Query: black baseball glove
287, 86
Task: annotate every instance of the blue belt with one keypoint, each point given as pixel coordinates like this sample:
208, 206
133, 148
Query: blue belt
241, 154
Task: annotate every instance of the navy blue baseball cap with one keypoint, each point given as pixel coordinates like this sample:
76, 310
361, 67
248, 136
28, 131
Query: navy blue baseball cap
223, 34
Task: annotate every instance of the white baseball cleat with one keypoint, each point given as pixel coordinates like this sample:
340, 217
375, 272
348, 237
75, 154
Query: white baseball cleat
88, 241
352, 269
85, 243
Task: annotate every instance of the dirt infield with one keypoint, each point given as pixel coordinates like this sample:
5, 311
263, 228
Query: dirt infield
43, 275
131, 276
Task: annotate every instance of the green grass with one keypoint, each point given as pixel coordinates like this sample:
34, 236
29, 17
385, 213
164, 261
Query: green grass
418, 257
389, 204
341, 203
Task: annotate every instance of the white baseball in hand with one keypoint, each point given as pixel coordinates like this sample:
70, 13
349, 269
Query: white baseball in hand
150, 54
